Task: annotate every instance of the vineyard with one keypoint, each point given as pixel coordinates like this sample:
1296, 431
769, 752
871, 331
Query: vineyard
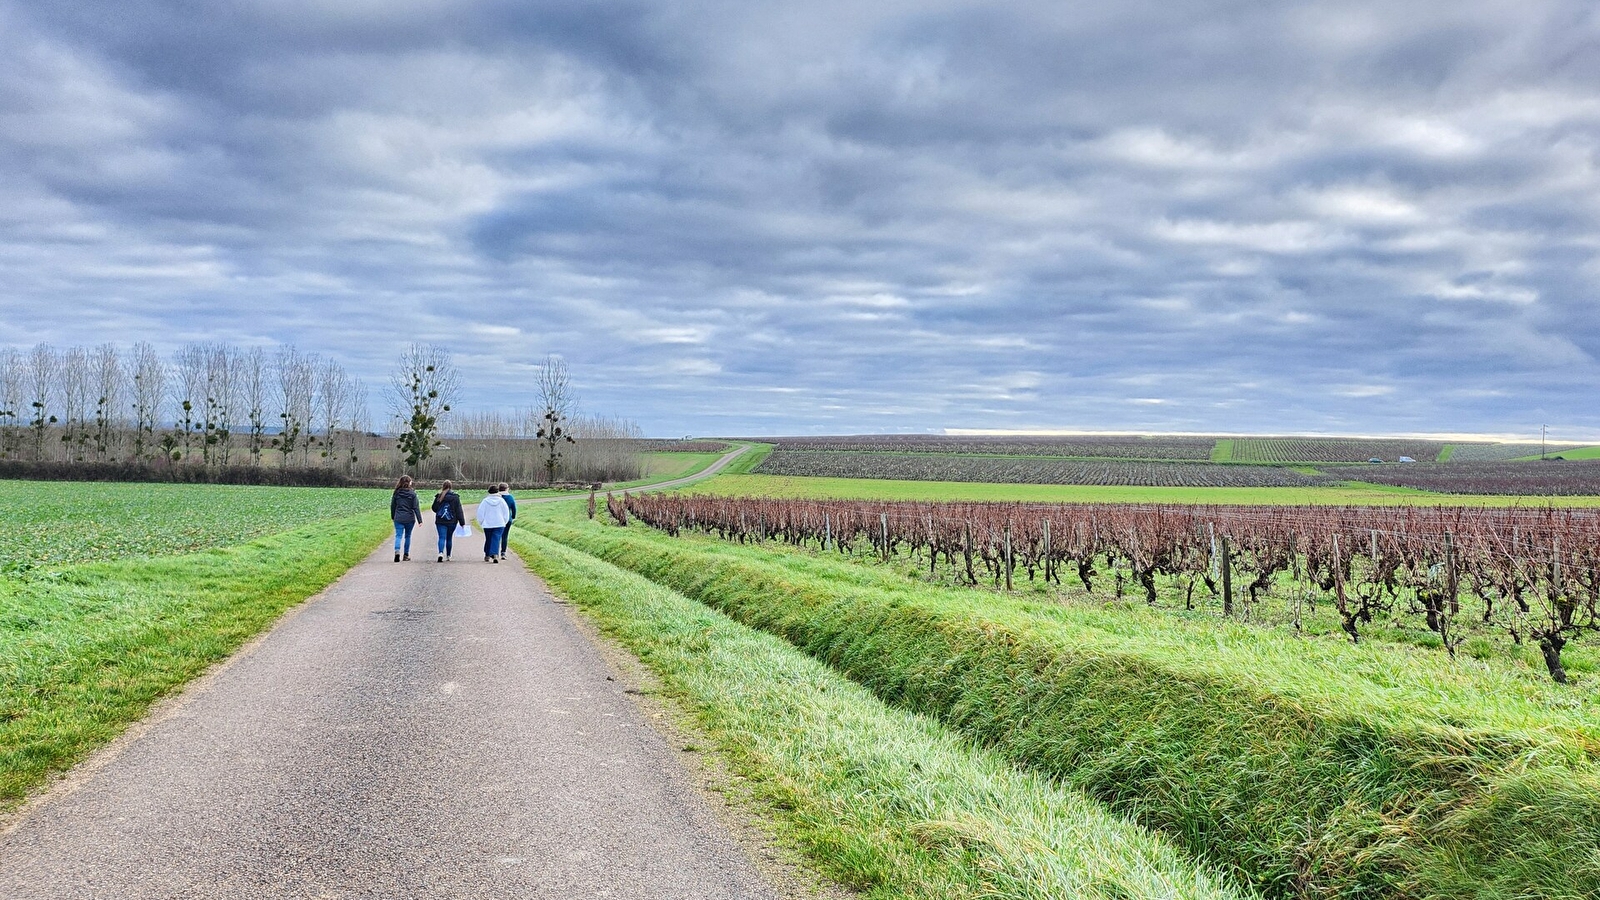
1317, 450
1563, 478
1530, 574
1028, 470
1156, 447
661, 445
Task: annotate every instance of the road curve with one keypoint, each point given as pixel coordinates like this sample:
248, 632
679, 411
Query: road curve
419, 730
709, 471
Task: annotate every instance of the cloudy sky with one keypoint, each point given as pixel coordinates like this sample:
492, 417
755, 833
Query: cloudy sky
757, 218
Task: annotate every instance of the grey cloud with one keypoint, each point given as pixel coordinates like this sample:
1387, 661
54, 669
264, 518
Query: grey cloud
759, 217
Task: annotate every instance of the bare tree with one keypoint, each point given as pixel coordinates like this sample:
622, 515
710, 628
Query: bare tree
74, 382
556, 400
333, 401
297, 385
222, 393
192, 363
421, 391
13, 377
110, 389
42, 366
360, 423
252, 383
148, 375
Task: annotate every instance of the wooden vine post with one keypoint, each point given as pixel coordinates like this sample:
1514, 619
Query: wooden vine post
1009, 559
1227, 578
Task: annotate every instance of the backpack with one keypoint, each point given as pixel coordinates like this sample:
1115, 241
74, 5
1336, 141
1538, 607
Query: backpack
445, 515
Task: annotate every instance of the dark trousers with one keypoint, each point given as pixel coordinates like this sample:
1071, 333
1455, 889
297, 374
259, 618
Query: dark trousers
447, 537
505, 538
491, 541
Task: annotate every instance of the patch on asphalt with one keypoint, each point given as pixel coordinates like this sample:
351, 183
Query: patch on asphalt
402, 615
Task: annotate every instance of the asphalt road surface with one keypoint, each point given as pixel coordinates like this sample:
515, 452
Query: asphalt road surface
422, 730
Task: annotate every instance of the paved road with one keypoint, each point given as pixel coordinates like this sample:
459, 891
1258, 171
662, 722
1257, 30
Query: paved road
422, 730
714, 469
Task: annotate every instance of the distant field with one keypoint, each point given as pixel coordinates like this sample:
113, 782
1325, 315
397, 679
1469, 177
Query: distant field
62, 523
1563, 478
661, 466
1083, 446
1027, 470
661, 445
1315, 450
1563, 452
877, 489
1270, 450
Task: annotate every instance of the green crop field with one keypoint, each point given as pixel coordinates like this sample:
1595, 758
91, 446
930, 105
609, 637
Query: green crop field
113, 595
60, 523
877, 489
1305, 766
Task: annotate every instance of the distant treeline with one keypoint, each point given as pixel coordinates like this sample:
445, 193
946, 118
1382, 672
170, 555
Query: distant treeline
218, 413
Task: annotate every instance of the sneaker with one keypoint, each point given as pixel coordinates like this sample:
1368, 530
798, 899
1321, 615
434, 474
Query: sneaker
397, 557
441, 557
497, 560
407, 557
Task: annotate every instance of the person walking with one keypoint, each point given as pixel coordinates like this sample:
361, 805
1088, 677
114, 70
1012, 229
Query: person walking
447, 514
405, 512
511, 503
493, 514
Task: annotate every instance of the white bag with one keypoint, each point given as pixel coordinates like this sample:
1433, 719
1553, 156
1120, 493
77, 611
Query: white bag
463, 530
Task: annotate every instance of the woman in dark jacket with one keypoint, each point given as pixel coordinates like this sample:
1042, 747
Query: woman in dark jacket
405, 512
447, 514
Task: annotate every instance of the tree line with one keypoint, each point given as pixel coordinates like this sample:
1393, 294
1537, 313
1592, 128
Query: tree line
219, 406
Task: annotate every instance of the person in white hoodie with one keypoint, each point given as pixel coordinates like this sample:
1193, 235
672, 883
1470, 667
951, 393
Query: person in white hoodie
492, 516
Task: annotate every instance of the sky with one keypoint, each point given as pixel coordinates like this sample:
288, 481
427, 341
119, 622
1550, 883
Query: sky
746, 218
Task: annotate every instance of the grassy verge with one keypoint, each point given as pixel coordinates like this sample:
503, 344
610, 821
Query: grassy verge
1223, 451
1308, 768
85, 651
733, 485
887, 802
752, 458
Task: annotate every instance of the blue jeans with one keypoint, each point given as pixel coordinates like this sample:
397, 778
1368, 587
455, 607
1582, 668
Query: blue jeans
491, 541
403, 529
447, 535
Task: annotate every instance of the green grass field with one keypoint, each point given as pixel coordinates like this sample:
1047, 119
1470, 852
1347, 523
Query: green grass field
668, 465
117, 594
61, 523
871, 489
1566, 453
1309, 767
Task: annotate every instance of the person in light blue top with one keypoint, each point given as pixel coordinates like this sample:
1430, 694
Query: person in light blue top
511, 502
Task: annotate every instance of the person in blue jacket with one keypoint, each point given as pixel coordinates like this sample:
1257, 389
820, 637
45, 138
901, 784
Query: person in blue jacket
447, 517
405, 513
505, 536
